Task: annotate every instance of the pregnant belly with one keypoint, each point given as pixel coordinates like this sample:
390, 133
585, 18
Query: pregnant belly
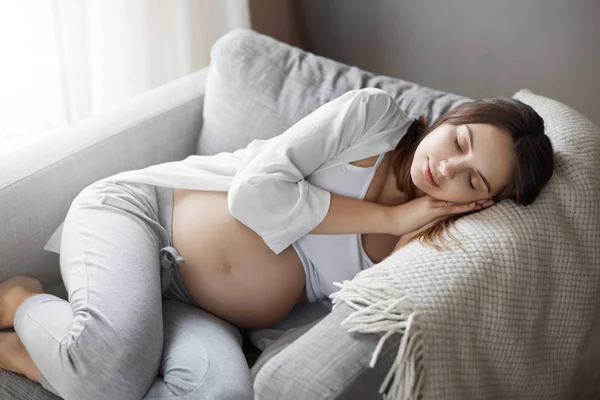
228, 269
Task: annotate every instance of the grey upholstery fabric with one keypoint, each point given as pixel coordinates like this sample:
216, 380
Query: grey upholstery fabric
18, 387
258, 87
326, 363
39, 181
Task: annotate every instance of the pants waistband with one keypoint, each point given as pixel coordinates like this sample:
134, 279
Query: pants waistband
171, 282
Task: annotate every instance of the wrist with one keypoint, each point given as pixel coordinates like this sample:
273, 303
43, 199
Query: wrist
377, 218
396, 220
390, 221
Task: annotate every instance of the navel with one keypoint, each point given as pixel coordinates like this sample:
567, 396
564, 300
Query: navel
225, 267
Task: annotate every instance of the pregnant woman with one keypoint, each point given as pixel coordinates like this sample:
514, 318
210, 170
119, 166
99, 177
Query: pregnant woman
242, 237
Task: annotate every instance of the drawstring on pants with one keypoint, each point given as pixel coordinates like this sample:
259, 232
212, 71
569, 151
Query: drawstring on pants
169, 259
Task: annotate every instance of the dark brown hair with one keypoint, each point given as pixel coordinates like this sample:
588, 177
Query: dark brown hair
532, 149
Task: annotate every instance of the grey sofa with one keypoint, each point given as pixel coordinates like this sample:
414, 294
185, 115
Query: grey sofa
184, 117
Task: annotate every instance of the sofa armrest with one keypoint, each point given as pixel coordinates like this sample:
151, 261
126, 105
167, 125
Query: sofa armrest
39, 181
327, 363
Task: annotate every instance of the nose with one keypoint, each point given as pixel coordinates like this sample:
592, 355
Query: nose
449, 168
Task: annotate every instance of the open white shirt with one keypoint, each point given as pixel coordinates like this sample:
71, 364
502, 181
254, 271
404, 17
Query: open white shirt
265, 181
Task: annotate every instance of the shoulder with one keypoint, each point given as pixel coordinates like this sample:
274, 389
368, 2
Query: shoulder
372, 92
375, 96
379, 105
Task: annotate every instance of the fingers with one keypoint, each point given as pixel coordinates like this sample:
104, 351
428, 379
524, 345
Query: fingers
487, 203
463, 208
456, 208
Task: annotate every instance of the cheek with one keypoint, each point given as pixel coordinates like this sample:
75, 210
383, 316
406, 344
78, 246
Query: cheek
415, 176
417, 166
417, 159
423, 150
434, 146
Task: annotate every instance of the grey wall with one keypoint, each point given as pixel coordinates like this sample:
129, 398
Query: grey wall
476, 48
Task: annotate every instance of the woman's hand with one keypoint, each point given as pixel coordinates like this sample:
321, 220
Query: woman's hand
414, 215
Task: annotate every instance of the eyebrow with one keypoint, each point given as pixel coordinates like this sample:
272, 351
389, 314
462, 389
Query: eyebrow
487, 184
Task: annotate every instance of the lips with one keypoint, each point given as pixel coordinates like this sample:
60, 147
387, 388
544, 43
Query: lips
427, 174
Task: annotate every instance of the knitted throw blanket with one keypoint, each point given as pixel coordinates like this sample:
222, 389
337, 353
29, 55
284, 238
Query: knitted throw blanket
507, 318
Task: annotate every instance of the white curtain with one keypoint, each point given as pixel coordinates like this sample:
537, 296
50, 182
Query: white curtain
64, 60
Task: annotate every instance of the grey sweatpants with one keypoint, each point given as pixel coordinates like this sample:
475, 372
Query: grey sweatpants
126, 331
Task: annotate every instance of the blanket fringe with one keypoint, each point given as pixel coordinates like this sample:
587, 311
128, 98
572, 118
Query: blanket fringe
380, 308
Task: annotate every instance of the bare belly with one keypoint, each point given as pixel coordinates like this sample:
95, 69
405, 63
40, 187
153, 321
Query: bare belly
230, 271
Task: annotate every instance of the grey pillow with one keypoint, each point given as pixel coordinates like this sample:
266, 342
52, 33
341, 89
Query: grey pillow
257, 87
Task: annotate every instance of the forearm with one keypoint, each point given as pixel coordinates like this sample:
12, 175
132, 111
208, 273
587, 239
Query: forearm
347, 215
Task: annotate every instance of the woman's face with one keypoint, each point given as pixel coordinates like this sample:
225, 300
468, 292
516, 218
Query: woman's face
467, 162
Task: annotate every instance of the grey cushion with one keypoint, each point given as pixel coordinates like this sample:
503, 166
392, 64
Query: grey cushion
257, 87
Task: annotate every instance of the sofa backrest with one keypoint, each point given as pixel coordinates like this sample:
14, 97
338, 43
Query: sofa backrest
257, 87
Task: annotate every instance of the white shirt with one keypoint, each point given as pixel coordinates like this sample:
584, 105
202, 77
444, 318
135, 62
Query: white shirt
327, 259
266, 185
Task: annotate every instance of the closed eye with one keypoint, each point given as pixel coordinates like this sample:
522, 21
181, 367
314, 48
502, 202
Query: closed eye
456, 143
470, 182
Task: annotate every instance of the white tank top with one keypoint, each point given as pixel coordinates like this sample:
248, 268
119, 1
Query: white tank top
335, 258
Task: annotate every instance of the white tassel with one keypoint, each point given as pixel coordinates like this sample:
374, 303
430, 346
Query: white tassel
380, 308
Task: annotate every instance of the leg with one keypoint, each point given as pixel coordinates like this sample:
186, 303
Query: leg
14, 356
202, 357
108, 337
189, 369
13, 292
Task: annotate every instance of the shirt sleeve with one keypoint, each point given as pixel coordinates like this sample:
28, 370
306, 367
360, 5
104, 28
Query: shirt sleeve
269, 193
